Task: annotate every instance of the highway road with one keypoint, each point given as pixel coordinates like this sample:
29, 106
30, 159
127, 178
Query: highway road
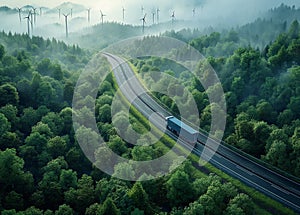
246, 170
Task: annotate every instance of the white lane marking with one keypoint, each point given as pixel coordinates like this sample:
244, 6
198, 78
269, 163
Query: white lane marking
244, 170
281, 189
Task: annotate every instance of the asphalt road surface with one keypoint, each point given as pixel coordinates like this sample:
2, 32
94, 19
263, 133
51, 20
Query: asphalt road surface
246, 170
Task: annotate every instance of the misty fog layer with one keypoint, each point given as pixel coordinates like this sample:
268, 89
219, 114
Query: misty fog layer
49, 20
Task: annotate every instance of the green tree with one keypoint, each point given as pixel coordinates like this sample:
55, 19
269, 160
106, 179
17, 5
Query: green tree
32, 211
293, 106
10, 140
77, 161
9, 95
57, 72
50, 186
54, 122
64, 210
45, 93
10, 112
13, 200
261, 132
4, 125
30, 117
104, 113
234, 209
37, 140
56, 147
83, 196
139, 198
42, 129
208, 204
93, 209
12, 174
109, 208
25, 92
244, 202
68, 179
276, 135
216, 192
124, 169
294, 30
179, 189
244, 128
277, 155
115, 189
265, 112
66, 118
68, 91
117, 145
2, 51
9, 212
194, 208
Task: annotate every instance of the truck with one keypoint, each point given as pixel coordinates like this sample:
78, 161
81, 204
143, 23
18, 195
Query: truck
182, 130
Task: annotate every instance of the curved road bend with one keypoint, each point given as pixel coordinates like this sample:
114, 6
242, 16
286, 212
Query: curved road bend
253, 174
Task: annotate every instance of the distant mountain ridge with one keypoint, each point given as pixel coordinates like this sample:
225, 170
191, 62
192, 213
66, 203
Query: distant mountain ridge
283, 12
6, 9
67, 6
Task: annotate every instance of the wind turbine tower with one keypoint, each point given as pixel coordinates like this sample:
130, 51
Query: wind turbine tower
58, 13
142, 9
144, 22
173, 17
157, 15
34, 14
31, 18
194, 12
66, 21
71, 12
123, 10
102, 15
19, 10
153, 16
89, 14
40, 11
28, 21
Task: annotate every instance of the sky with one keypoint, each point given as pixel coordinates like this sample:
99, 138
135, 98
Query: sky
208, 12
218, 8
229, 9
226, 5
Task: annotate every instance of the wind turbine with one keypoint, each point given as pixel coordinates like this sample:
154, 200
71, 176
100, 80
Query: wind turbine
19, 10
123, 10
40, 11
34, 14
153, 16
144, 22
194, 11
89, 14
143, 9
157, 15
66, 21
102, 15
31, 17
28, 21
71, 12
173, 17
58, 13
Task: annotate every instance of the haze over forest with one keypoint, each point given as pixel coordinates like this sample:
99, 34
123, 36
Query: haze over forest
212, 13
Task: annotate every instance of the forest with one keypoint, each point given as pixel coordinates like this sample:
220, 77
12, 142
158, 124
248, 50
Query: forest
44, 171
261, 89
